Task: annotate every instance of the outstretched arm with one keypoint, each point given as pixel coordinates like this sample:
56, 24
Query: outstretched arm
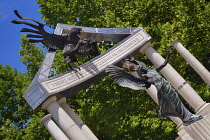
166, 61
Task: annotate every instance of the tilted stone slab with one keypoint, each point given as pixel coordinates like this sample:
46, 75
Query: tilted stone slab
100, 34
69, 83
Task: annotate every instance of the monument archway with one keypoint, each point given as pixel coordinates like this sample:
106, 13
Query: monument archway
51, 93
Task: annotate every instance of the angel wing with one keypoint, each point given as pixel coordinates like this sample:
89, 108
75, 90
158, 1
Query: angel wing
125, 79
50, 40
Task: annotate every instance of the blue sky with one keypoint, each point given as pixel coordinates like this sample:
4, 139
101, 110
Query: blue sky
10, 33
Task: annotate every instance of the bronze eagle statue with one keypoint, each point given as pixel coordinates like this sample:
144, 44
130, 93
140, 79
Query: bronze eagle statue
70, 44
168, 99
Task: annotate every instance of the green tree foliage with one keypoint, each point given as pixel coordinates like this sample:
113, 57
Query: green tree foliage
110, 111
18, 120
32, 56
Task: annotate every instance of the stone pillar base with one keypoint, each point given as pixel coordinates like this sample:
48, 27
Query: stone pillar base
203, 110
183, 135
62, 119
179, 138
200, 130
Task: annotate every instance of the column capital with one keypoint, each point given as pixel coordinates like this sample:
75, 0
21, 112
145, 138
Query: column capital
45, 118
144, 47
174, 42
61, 100
48, 102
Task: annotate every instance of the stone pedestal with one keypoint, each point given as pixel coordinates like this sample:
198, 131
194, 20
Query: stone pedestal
203, 110
183, 135
88, 133
179, 138
54, 130
67, 125
200, 130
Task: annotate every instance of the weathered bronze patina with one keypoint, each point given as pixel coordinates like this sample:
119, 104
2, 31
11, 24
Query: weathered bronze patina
70, 44
168, 99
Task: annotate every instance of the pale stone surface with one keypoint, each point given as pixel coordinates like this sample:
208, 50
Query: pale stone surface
179, 138
70, 83
100, 34
200, 129
203, 110
183, 135
54, 130
194, 63
199, 68
34, 93
152, 91
96, 65
67, 125
88, 133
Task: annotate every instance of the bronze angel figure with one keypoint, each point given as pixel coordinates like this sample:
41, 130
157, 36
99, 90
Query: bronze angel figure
168, 99
70, 44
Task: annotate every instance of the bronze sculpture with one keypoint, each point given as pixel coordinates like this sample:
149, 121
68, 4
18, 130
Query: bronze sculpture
168, 99
70, 44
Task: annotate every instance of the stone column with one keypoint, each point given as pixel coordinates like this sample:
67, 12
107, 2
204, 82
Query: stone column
67, 125
200, 129
184, 89
198, 67
88, 133
54, 130
194, 63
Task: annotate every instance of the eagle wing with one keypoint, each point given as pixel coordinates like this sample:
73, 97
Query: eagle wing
52, 41
125, 79
87, 47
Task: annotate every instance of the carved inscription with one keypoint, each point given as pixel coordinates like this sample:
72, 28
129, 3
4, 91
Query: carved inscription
92, 68
118, 52
64, 80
